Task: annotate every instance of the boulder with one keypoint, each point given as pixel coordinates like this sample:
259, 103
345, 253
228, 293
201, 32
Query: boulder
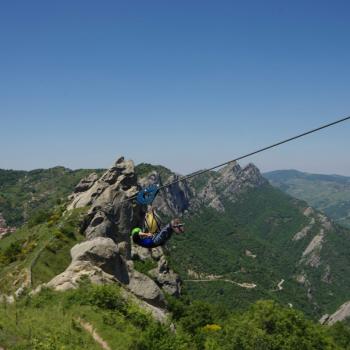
103, 253
70, 278
167, 279
86, 183
146, 289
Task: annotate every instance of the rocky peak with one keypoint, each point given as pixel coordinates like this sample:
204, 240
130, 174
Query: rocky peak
228, 183
105, 256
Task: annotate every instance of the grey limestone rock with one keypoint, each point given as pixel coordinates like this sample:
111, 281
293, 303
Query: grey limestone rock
340, 315
103, 253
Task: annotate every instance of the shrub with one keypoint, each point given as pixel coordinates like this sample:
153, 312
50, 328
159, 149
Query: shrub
13, 251
196, 316
159, 337
102, 296
269, 326
39, 217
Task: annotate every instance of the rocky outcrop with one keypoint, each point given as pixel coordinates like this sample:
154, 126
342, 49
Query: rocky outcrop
230, 182
327, 277
103, 253
311, 255
146, 289
98, 260
307, 229
106, 255
249, 254
111, 212
167, 279
73, 275
340, 315
85, 183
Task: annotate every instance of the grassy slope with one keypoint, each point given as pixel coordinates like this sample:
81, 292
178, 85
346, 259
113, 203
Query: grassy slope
29, 323
24, 192
42, 249
52, 320
329, 193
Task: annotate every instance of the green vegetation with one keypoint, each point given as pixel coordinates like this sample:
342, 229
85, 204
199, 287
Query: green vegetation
144, 169
144, 266
263, 221
39, 250
329, 193
268, 326
23, 193
29, 324
55, 256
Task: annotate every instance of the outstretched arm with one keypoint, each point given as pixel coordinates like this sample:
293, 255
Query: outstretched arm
145, 234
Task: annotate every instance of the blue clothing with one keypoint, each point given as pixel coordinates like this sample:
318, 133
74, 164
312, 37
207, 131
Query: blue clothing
158, 239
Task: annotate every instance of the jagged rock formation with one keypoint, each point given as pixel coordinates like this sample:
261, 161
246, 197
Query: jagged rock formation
308, 212
106, 255
312, 253
231, 182
228, 183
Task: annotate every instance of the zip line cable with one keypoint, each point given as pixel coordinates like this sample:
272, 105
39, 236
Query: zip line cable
200, 172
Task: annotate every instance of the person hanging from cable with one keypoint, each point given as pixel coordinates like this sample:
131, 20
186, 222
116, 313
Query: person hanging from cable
154, 235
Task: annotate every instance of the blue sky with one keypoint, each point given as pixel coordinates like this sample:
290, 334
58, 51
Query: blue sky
187, 84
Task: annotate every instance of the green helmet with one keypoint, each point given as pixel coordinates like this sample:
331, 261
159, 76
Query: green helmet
135, 231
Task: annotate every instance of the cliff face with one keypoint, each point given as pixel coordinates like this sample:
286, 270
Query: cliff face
228, 184
107, 254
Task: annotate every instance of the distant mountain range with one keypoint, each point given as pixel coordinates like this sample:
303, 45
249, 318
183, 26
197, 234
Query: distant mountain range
328, 193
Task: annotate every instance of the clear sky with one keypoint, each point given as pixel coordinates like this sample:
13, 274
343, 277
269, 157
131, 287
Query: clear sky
183, 83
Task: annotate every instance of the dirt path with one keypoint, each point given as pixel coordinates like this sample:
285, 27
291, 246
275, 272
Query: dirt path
243, 285
279, 285
90, 329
